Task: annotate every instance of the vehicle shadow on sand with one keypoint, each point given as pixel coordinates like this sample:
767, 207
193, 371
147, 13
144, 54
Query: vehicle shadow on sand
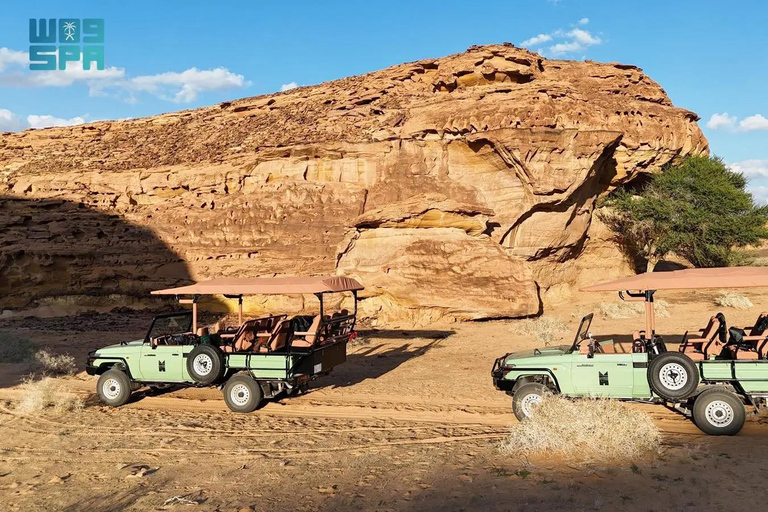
373, 354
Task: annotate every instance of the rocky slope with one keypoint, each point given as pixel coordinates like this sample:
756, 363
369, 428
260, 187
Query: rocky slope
463, 186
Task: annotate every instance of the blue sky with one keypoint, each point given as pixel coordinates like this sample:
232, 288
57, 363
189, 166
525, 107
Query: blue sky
710, 56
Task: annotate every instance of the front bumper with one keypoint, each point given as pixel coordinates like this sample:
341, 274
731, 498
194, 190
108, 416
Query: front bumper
90, 369
497, 374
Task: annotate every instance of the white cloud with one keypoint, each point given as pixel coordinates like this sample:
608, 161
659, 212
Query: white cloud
541, 38
45, 121
179, 87
185, 86
9, 122
583, 37
732, 123
751, 168
576, 40
755, 122
288, 86
10, 58
756, 172
723, 120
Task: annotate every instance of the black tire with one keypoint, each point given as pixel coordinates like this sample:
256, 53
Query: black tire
114, 388
242, 393
719, 412
673, 376
526, 397
205, 364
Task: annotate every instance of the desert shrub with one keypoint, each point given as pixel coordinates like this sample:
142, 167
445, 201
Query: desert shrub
14, 349
53, 364
614, 310
47, 393
544, 329
733, 300
588, 429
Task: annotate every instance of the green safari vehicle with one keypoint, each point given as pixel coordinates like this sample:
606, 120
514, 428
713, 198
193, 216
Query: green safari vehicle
712, 376
255, 360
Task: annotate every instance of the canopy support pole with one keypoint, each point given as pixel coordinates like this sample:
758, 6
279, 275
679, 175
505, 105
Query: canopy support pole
240, 310
650, 318
192, 301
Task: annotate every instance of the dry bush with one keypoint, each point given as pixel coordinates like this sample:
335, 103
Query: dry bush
544, 329
52, 364
14, 349
47, 393
585, 429
733, 300
614, 310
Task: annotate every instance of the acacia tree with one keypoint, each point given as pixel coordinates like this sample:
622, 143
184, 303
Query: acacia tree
697, 208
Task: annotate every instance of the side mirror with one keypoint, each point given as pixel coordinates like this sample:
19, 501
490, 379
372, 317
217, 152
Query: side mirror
591, 352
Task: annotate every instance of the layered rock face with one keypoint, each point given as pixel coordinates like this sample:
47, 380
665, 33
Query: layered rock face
463, 186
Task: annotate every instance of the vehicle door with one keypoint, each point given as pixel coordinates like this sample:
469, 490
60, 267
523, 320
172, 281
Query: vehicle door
162, 357
162, 363
602, 374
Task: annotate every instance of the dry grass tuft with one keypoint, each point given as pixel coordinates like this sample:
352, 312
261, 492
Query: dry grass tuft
52, 364
614, 310
14, 349
47, 393
588, 429
544, 329
733, 300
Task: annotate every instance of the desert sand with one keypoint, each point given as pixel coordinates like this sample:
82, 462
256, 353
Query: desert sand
410, 422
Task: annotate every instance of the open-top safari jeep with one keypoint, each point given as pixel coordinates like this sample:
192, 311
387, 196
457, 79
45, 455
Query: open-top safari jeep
258, 359
712, 375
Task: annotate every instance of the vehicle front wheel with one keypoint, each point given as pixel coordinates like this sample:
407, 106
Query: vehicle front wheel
719, 412
242, 394
526, 398
673, 376
114, 388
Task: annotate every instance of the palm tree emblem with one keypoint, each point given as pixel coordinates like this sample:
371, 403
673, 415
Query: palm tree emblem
69, 31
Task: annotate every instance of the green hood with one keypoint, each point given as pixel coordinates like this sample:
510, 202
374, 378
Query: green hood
540, 352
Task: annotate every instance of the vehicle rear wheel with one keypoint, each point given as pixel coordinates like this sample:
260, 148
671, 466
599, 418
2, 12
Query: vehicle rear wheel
719, 412
526, 398
242, 394
114, 388
673, 376
205, 364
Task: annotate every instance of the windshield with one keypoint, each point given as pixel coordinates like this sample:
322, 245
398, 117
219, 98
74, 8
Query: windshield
583, 331
175, 323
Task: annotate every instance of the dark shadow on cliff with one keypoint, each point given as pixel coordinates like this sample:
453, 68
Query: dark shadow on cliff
52, 249
61, 258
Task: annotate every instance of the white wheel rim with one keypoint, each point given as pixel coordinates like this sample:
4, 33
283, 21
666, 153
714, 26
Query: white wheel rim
203, 364
240, 394
719, 413
528, 403
673, 376
111, 388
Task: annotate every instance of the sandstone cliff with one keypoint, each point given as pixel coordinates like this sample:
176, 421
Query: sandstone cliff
463, 186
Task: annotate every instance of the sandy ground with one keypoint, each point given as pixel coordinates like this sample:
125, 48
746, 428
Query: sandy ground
410, 422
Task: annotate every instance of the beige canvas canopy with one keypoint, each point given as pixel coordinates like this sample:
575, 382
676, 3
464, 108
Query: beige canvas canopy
643, 286
688, 279
266, 286
236, 287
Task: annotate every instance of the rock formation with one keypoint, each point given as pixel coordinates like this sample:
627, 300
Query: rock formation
463, 186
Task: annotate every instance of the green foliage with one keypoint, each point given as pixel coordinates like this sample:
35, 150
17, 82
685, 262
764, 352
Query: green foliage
698, 209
